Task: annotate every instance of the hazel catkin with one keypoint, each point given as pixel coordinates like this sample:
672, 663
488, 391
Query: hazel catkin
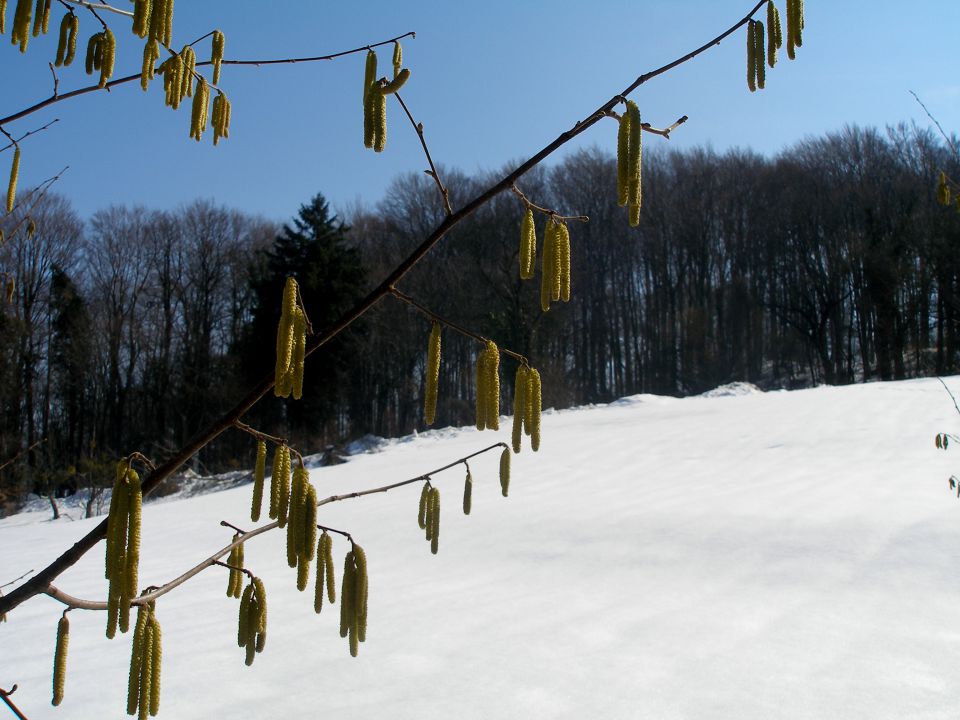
424, 506
505, 471
533, 409
519, 405
528, 245
467, 493
432, 375
774, 33
434, 520
14, 174
60, 659
259, 472
218, 43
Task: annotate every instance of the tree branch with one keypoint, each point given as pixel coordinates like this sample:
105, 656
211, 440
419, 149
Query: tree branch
40, 582
81, 604
432, 172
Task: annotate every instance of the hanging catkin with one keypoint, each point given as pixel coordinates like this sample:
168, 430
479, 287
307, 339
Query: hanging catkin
216, 56
369, 80
291, 342
467, 493
325, 572
67, 37
221, 124
488, 387
41, 20
434, 521
432, 375
634, 164
235, 561
397, 57
146, 658
424, 506
774, 33
751, 58
353, 598
760, 54
563, 252
528, 245
299, 351
533, 409
141, 17
14, 174
123, 547
548, 264
20, 35
397, 83
259, 472
943, 190
378, 102
505, 471
519, 405
795, 23
201, 102
60, 659
252, 620
283, 500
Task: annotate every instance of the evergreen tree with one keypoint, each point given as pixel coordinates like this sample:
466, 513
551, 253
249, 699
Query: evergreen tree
330, 273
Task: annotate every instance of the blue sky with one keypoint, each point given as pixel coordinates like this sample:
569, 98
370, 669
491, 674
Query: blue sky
491, 82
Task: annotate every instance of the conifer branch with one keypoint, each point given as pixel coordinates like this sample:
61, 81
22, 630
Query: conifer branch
41, 582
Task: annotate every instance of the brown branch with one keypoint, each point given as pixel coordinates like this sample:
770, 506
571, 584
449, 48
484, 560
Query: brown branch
224, 523
263, 436
158, 591
40, 191
432, 172
452, 325
92, 7
936, 122
40, 582
14, 459
347, 535
647, 127
553, 213
5, 696
130, 78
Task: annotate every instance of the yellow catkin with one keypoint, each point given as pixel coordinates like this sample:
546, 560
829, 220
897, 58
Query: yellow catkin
198, 114
299, 352
309, 520
275, 483
432, 375
146, 672
547, 265
528, 245
216, 56
284, 500
20, 34
141, 17
167, 21
397, 57
347, 608
221, 117
92, 62
3, 16
136, 660
434, 520
37, 17
325, 572
792, 27
751, 57
422, 510
235, 582
189, 59
62, 40
361, 592
379, 101
774, 33
634, 164
623, 160
294, 526
155, 667
943, 189
505, 471
14, 174
259, 472
261, 614
397, 83
467, 493
519, 405
60, 660
243, 620
108, 53
760, 54
369, 80
533, 409
132, 555
563, 251
283, 378
492, 386
481, 390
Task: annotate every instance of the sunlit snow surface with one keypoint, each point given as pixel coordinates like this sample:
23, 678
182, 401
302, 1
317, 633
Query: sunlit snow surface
742, 555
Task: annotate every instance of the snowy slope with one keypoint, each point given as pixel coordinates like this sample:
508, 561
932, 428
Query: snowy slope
745, 555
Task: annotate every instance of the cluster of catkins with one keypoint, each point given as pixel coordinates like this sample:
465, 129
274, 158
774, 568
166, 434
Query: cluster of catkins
143, 689
123, 547
763, 42
375, 97
291, 344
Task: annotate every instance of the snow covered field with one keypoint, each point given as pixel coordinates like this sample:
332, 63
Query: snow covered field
752, 555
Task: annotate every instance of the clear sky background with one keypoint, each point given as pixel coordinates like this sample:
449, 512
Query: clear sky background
491, 82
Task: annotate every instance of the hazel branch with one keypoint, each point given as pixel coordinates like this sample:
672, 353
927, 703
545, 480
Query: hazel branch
533, 206
159, 591
403, 297
5, 696
432, 172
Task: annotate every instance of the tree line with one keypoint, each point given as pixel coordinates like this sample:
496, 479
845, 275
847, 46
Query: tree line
829, 263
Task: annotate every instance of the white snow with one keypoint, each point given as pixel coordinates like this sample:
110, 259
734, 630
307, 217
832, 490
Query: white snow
754, 555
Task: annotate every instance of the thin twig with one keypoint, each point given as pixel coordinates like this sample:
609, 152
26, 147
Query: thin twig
453, 326
432, 172
14, 459
258, 434
56, 80
16, 580
41, 582
224, 523
40, 191
647, 127
81, 604
236, 569
937, 123
23, 137
347, 535
130, 78
5, 696
99, 6
546, 211
955, 406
